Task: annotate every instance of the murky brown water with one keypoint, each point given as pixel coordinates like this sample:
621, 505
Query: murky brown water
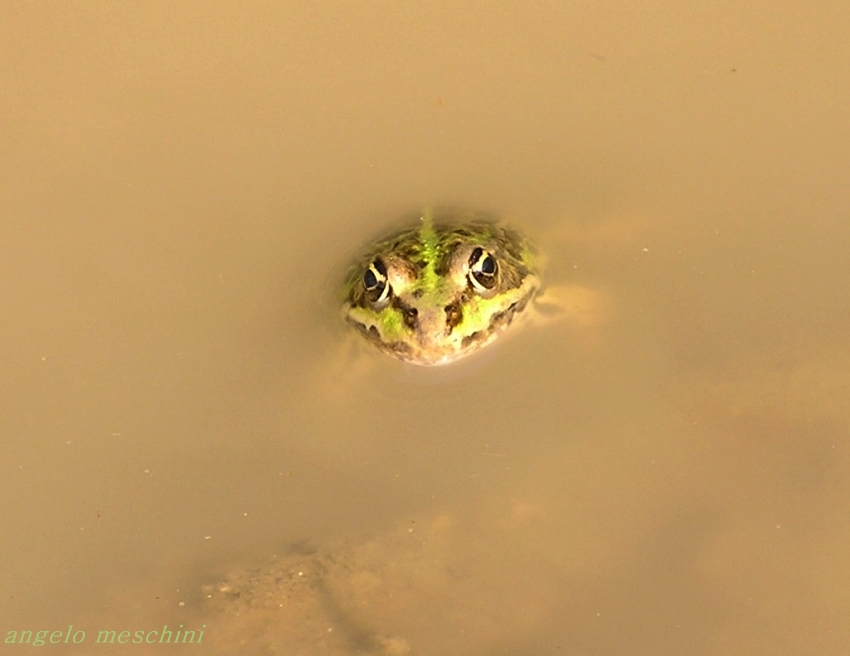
181, 185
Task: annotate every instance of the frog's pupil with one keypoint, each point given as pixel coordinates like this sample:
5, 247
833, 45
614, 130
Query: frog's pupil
488, 265
482, 269
370, 280
375, 282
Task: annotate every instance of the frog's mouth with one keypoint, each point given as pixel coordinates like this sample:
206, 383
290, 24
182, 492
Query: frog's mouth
438, 336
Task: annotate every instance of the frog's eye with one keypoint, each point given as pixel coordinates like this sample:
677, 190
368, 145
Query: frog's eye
483, 270
375, 282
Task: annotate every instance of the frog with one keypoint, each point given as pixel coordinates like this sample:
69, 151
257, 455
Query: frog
445, 286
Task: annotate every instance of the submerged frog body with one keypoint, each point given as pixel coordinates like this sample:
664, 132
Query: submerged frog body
442, 289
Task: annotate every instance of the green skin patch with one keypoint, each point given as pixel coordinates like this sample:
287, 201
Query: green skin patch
439, 291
